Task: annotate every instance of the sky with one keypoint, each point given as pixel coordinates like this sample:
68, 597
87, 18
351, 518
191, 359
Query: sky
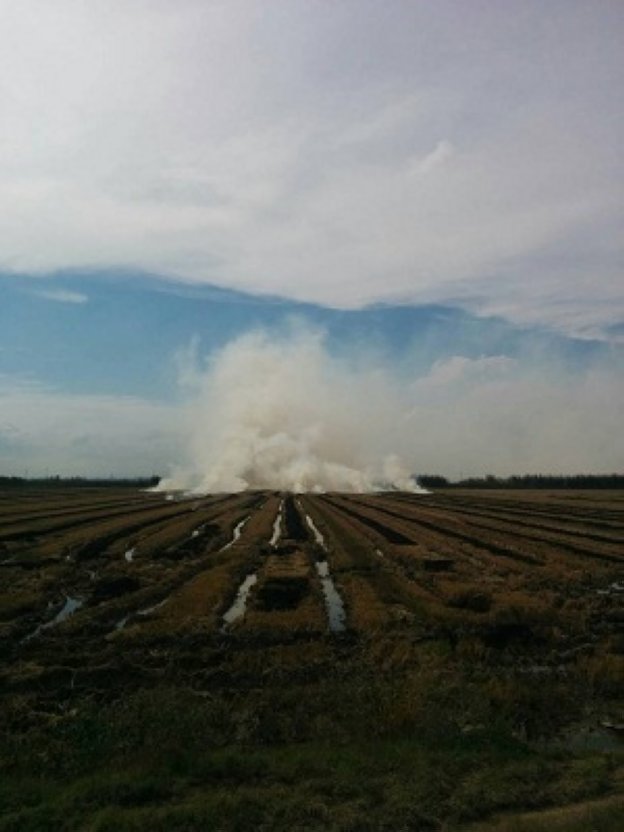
436, 187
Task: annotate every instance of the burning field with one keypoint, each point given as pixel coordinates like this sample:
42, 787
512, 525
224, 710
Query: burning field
474, 634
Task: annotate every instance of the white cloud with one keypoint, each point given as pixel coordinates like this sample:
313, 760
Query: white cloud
342, 154
470, 417
438, 156
46, 431
458, 368
62, 295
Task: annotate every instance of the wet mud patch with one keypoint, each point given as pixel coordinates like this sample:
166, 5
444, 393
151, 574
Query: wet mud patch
282, 593
107, 589
294, 527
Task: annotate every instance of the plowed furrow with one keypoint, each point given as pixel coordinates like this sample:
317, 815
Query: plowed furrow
388, 533
153, 603
91, 539
552, 528
38, 528
94, 507
294, 526
599, 518
544, 542
477, 542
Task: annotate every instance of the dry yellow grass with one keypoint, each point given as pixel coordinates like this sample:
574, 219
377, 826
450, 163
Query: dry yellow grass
579, 817
364, 608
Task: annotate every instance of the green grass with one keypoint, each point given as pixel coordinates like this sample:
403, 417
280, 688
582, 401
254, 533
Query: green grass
381, 786
163, 760
361, 749
587, 817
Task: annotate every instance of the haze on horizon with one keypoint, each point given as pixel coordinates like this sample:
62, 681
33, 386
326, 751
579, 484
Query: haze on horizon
432, 192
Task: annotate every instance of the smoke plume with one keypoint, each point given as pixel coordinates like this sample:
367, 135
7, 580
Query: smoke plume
281, 413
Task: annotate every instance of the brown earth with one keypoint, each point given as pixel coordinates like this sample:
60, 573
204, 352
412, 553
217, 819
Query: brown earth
539, 571
523, 590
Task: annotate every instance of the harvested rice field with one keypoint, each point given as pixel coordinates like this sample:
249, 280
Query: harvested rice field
458, 637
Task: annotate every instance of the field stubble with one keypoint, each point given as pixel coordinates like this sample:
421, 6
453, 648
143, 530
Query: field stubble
477, 636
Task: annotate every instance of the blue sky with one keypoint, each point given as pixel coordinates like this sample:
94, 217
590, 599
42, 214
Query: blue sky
93, 369
120, 333
437, 187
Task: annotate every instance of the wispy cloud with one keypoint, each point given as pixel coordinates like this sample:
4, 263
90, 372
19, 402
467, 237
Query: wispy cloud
493, 415
61, 295
44, 429
338, 153
438, 156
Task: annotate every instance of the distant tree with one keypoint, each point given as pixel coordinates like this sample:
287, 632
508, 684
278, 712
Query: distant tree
537, 481
432, 481
57, 481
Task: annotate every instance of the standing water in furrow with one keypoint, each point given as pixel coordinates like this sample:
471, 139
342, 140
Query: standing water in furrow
318, 537
237, 610
333, 602
68, 609
236, 535
277, 526
153, 608
144, 612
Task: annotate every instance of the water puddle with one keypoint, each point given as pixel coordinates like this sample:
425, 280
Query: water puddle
129, 554
237, 610
153, 608
236, 535
122, 622
318, 537
614, 588
69, 608
71, 605
277, 526
145, 611
543, 670
592, 738
333, 602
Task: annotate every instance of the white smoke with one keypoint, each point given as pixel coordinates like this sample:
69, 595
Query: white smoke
281, 413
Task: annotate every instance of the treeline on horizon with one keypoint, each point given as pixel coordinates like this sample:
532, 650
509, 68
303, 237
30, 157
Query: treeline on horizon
580, 481
79, 482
